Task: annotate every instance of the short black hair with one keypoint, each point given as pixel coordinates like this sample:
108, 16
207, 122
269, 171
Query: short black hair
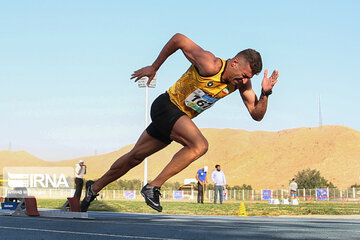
217, 165
253, 58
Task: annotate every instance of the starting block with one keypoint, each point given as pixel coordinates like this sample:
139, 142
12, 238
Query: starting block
70, 209
30, 207
71, 205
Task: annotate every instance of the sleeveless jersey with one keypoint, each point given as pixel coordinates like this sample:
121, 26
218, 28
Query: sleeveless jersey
193, 93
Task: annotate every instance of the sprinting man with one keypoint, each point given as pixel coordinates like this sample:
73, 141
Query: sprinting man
208, 79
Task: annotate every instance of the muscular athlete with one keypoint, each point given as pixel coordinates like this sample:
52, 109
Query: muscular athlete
208, 79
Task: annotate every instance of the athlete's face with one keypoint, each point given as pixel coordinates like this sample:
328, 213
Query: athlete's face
241, 72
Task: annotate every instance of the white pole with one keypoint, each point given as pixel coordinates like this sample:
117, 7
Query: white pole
354, 194
146, 125
328, 194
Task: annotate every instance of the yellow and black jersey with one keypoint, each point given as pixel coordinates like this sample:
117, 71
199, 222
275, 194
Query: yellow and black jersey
194, 93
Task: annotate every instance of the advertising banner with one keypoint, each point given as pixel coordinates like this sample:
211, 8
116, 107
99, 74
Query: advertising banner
266, 194
322, 194
130, 194
178, 195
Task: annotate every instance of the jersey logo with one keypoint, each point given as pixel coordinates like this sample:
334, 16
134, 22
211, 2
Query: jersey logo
225, 91
210, 84
199, 101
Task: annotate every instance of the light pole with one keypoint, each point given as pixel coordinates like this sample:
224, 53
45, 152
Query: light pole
142, 84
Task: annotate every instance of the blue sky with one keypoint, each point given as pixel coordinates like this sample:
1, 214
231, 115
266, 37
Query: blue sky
65, 67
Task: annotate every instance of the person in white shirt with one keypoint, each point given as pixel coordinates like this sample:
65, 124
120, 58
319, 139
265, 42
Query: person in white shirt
293, 189
219, 180
80, 171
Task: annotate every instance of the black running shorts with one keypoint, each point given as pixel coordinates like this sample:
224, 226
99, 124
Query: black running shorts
164, 114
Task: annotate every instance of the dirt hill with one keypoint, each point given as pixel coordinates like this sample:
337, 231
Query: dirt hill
19, 159
261, 159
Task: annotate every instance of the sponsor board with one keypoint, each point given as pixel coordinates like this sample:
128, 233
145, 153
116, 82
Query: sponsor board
266, 194
322, 194
178, 195
130, 194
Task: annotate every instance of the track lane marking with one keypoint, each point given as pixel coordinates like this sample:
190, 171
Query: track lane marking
84, 233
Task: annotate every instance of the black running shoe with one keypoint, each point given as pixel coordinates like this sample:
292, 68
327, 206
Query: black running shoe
89, 196
151, 195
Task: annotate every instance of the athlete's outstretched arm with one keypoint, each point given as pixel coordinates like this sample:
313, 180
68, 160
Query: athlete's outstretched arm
257, 107
205, 61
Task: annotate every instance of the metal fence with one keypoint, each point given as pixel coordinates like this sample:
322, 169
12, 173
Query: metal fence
344, 195
309, 195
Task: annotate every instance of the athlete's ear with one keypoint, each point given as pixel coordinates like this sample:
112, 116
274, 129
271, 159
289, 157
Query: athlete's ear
235, 61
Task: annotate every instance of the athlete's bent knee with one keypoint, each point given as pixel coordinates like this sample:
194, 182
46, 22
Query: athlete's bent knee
201, 148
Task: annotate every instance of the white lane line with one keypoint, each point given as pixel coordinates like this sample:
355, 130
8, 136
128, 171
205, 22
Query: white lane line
84, 233
304, 229
258, 229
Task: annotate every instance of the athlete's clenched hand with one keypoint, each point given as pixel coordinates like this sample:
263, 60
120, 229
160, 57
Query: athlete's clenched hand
148, 71
268, 83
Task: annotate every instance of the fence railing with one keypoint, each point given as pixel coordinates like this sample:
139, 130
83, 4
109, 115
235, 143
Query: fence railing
332, 194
